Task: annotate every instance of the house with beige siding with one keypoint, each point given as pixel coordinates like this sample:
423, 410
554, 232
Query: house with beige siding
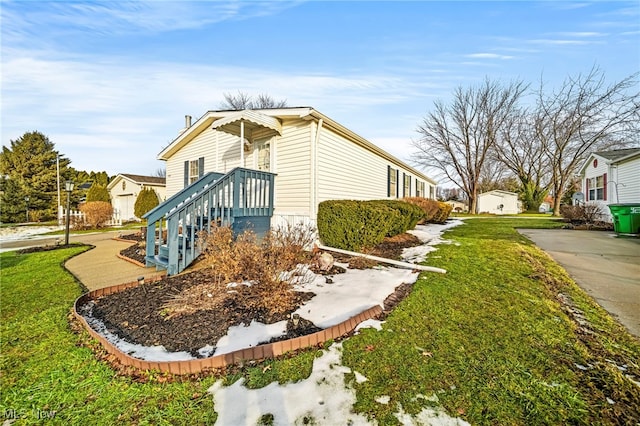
287, 161
124, 190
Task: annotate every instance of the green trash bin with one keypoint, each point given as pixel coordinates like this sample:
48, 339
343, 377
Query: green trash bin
626, 218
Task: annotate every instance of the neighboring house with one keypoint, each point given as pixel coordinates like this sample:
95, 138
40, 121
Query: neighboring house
270, 167
611, 177
458, 206
124, 190
499, 202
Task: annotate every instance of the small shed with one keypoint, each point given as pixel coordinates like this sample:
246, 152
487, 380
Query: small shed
124, 190
498, 202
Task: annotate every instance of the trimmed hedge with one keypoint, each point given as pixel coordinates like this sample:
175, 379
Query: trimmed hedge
434, 211
357, 225
410, 215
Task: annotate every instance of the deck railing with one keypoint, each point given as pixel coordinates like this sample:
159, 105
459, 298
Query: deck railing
241, 198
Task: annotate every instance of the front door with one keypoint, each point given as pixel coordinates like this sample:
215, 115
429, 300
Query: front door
262, 155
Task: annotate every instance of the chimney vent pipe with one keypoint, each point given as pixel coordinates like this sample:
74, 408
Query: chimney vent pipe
187, 121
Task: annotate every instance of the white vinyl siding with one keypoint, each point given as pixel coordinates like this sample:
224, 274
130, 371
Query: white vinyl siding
219, 157
347, 171
628, 183
292, 165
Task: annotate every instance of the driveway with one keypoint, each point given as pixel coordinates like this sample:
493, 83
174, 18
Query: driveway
607, 267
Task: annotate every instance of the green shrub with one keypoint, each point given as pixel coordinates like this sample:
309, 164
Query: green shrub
444, 210
146, 201
429, 207
410, 215
358, 225
98, 193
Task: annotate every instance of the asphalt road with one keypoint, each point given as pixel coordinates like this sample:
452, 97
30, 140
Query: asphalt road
606, 266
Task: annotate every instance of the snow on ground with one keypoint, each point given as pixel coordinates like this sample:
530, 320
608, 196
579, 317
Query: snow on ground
430, 235
15, 233
350, 293
322, 398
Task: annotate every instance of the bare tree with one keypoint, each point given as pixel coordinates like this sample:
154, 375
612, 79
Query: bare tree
457, 139
584, 115
245, 101
522, 154
160, 172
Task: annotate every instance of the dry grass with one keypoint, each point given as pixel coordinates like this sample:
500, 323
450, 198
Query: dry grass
258, 272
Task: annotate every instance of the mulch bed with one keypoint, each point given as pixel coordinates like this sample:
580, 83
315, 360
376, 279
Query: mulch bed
135, 252
138, 314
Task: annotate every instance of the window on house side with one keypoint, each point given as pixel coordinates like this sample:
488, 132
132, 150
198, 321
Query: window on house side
393, 183
596, 188
407, 186
419, 189
194, 171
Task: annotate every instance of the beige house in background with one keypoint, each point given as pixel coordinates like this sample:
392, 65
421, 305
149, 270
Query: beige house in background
313, 157
124, 190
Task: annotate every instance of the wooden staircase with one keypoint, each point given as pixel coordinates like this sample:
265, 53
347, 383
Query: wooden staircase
242, 199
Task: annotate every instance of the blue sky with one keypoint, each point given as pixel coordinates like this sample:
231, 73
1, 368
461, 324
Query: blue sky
110, 82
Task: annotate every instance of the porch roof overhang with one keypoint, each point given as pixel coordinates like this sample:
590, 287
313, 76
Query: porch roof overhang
252, 120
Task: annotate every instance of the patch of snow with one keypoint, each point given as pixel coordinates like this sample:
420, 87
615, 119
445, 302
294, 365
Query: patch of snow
351, 293
359, 377
370, 323
148, 353
384, 399
242, 337
430, 235
15, 233
322, 398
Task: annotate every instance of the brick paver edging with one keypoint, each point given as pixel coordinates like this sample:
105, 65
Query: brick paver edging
269, 350
128, 259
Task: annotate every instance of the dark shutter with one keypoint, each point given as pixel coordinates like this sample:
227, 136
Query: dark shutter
200, 167
404, 177
186, 174
388, 181
397, 183
604, 182
586, 195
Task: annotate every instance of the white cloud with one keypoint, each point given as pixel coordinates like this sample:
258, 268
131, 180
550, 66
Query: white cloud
92, 108
488, 56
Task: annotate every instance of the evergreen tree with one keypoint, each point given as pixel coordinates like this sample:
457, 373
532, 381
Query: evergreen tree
13, 208
98, 192
30, 164
146, 201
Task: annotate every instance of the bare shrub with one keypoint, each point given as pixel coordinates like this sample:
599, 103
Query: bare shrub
263, 273
593, 212
584, 213
97, 213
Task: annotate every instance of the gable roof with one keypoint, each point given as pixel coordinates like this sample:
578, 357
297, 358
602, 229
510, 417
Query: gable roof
139, 179
611, 157
500, 193
226, 117
617, 154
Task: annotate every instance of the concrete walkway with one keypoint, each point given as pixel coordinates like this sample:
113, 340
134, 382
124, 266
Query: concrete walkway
607, 267
100, 266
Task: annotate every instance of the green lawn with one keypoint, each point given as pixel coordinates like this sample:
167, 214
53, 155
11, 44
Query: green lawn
489, 338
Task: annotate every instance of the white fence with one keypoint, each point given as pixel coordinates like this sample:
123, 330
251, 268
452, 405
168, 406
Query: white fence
77, 215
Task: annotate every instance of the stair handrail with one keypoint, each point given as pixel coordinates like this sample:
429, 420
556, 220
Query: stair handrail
180, 197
